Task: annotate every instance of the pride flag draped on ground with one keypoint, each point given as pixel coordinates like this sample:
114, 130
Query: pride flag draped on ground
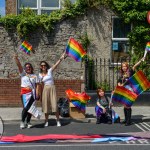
26, 47
138, 82
79, 100
75, 50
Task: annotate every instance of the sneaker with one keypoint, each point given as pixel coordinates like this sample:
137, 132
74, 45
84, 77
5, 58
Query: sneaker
58, 124
46, 124
29, 125
22, 125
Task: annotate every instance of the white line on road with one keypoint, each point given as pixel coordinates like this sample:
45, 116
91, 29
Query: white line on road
145, 126
74, 145
138, 126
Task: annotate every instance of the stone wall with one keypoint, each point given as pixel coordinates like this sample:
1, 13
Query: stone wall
49, 46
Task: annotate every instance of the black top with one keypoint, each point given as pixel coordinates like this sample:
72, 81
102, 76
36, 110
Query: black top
125, 77
104, 102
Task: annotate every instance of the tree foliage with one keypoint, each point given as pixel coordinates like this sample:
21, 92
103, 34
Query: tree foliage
132, 11
135, 12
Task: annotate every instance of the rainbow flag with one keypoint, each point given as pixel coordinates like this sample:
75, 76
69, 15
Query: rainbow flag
82, 97
79, 105
75, 50
139, 83
124, 96
26, 47
147, 48
79, 100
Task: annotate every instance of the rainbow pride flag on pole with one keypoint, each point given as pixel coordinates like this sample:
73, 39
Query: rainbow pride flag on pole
26, 47
139, 83
147, 49
124, 96
148, 46
75, 50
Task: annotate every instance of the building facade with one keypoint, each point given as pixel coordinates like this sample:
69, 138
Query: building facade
106, 32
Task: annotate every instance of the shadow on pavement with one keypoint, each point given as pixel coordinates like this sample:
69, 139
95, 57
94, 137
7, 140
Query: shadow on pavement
140, 118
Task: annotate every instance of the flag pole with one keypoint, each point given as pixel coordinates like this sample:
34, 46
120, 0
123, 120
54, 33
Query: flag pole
145, 53
65, 48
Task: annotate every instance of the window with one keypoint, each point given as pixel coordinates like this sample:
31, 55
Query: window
51, 3
120, 44
28, 3
40, 6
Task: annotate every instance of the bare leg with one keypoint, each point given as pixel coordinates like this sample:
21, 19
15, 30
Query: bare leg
57, 116
46, 117
57, 119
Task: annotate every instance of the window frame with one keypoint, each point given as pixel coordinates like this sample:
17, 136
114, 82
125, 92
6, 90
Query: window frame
39, 7
116, 39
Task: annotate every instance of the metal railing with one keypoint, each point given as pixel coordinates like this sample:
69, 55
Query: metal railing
102, 72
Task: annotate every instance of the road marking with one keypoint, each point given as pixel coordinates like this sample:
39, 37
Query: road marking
138, 126
145, 126
74, 145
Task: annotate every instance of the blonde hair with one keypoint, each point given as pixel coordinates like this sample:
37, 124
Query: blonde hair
125, 63
127, 73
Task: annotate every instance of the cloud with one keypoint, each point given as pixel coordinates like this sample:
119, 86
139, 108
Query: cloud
2, 11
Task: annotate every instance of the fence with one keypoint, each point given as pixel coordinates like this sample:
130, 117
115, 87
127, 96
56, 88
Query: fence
102, 72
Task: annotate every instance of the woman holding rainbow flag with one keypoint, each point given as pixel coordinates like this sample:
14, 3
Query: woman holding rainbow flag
49, 99
29, 90
125, 74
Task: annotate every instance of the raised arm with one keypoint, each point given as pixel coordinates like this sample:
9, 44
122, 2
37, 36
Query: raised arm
18, 63
58, 62
138, 63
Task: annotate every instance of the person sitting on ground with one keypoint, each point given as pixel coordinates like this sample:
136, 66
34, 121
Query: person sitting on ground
103, 107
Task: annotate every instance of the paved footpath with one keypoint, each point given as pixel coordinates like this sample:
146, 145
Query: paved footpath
138, 112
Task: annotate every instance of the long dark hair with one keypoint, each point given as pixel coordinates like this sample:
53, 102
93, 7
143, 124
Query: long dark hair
30, 66
47, 66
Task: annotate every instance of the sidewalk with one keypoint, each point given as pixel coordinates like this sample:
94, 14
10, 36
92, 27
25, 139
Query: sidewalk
138, 112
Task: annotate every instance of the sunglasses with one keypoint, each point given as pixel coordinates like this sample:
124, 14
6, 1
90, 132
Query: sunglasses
43, 65
28, 67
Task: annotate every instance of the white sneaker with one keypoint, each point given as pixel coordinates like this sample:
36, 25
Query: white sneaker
58, 124
22, 125
29, 125
46, 124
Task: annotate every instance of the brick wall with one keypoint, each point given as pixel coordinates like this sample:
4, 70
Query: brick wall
10, 90
11, 7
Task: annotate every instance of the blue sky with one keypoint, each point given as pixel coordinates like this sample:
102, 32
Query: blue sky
2, 7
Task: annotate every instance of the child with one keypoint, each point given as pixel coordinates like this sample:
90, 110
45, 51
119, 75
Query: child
103, 108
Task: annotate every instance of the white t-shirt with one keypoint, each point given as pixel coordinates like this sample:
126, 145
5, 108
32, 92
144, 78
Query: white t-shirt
47, 79
28, 80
